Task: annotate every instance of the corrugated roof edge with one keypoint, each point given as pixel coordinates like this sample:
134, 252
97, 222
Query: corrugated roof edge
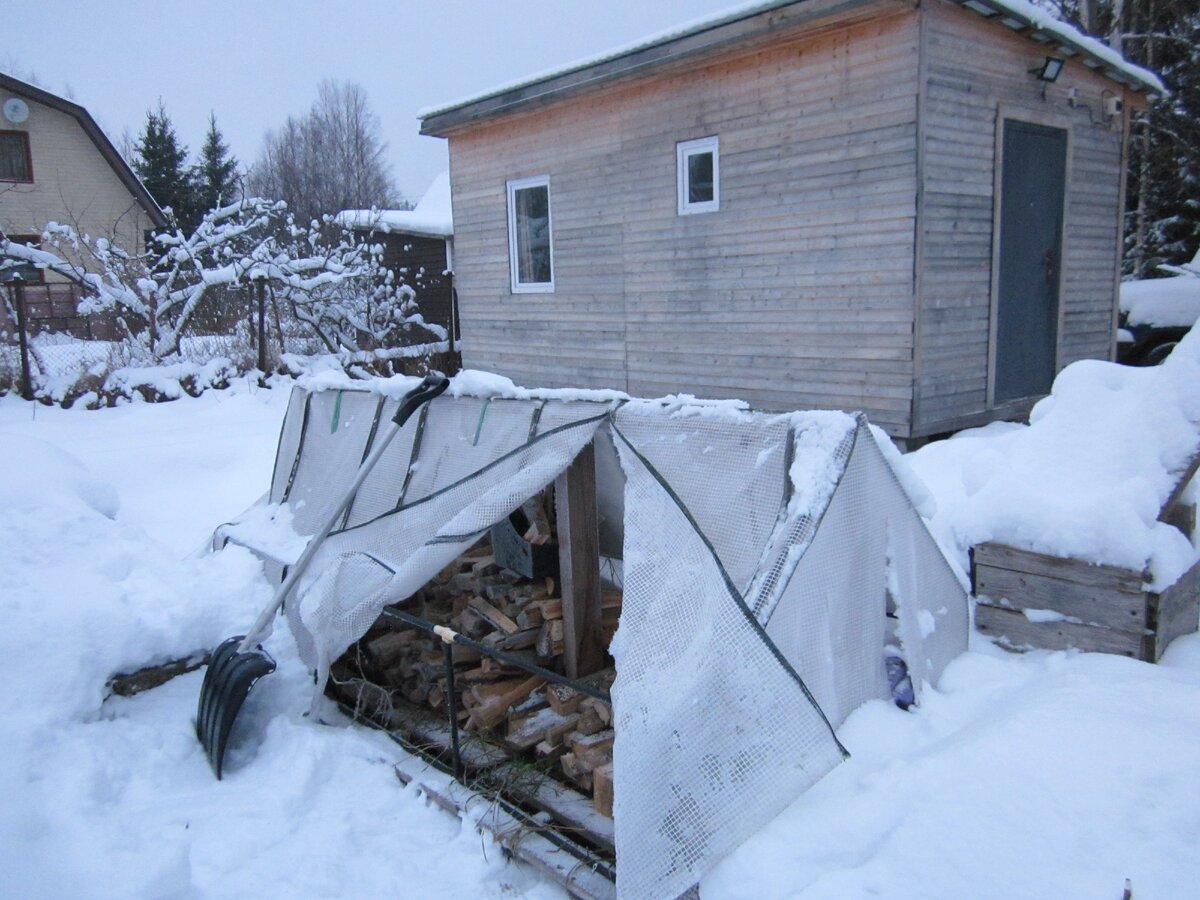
98, 137
1112, 64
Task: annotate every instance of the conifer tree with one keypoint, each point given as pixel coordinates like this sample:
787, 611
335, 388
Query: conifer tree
161, 164
216, 176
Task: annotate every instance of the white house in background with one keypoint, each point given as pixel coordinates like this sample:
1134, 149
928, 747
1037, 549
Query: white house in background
418, 245
56, 165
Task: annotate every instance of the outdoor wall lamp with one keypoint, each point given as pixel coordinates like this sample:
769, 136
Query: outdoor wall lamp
1049, 70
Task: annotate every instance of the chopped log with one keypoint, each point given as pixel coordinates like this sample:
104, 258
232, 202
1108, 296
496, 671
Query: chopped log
554, 733
602, 789
489, 714
591, 750
564, 699
530, 616
493, 616
603, 710
589, 722
522, 640
549, 752
550, 639
388, 650
575, 772
524, 733
550, 609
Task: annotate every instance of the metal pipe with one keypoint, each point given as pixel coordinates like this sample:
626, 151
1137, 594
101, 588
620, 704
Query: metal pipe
452, 710
450, 636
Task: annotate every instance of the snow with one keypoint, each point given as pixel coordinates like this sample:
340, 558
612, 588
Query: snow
432, 216
1045, 774
1024, 8
1087, 477
1162, 302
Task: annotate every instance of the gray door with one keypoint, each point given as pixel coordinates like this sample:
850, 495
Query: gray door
1031, 214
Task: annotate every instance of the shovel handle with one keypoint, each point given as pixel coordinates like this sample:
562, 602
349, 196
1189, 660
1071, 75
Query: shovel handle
431, 386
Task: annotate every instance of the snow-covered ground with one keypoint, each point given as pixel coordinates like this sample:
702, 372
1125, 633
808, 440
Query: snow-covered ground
1044, 775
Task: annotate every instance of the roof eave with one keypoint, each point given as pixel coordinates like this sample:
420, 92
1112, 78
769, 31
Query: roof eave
754, 23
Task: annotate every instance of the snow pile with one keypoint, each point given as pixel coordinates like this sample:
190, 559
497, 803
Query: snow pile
432, 216
1087, 477
1164, 302
112, 797
1047, 774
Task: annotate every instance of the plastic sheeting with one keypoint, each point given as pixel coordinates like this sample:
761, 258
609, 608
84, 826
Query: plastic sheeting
762, 554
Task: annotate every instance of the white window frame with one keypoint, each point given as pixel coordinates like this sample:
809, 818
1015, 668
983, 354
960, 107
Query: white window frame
684, 150
536, 287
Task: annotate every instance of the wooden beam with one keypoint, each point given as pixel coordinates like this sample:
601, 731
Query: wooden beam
579, 565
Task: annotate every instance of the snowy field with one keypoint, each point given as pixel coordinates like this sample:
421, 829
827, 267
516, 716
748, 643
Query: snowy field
1056, 775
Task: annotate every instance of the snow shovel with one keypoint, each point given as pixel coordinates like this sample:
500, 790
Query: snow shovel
239, 661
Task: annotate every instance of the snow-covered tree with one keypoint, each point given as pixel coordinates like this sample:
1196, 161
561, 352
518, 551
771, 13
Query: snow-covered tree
328, 279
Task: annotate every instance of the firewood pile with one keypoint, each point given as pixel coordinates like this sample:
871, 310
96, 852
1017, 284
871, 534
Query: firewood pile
395, 670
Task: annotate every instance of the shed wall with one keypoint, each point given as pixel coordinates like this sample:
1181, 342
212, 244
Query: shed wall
798, 293
976, 72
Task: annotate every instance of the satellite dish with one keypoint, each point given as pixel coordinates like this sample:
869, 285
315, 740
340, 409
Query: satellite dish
16, 110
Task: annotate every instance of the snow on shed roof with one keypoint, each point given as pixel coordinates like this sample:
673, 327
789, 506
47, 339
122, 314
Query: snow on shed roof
1017, 14
432, 216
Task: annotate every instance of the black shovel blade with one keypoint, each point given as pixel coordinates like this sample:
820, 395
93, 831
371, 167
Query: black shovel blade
227, 683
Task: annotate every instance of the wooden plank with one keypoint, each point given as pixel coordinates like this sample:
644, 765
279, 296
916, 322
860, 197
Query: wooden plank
1089, 603
579, 565
567, 806
1176, 612
515, 834
1014, 631
1002, 556
1181, 484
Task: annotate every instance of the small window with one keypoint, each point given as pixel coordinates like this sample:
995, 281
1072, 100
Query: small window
530, 257
699, 176
14, 156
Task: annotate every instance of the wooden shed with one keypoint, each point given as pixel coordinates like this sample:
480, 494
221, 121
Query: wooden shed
418, 246
882, 205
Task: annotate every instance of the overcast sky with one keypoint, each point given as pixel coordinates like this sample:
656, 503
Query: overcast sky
255, 63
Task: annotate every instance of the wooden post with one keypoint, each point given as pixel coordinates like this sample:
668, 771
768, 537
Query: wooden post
23, 338
579, 565
262, 325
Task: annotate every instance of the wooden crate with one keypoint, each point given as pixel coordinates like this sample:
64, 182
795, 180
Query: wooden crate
1022, 594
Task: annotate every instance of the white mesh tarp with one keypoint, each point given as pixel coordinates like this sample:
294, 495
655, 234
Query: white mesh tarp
760, 554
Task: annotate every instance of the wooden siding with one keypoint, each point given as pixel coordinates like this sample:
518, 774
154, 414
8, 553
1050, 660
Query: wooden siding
420, 262
975, 73
797, 293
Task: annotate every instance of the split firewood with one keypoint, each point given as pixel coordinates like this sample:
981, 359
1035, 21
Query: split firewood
564, 699
589, 722
387, 650
591, 750
550, 639
491, 712
602, 789
603, 710
554, 733
547, 752
539, 530
575, 772
526, 732
493, 616
550, 609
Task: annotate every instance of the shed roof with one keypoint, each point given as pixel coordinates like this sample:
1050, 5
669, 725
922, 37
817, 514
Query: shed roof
98, 137
431, 217
755, 19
